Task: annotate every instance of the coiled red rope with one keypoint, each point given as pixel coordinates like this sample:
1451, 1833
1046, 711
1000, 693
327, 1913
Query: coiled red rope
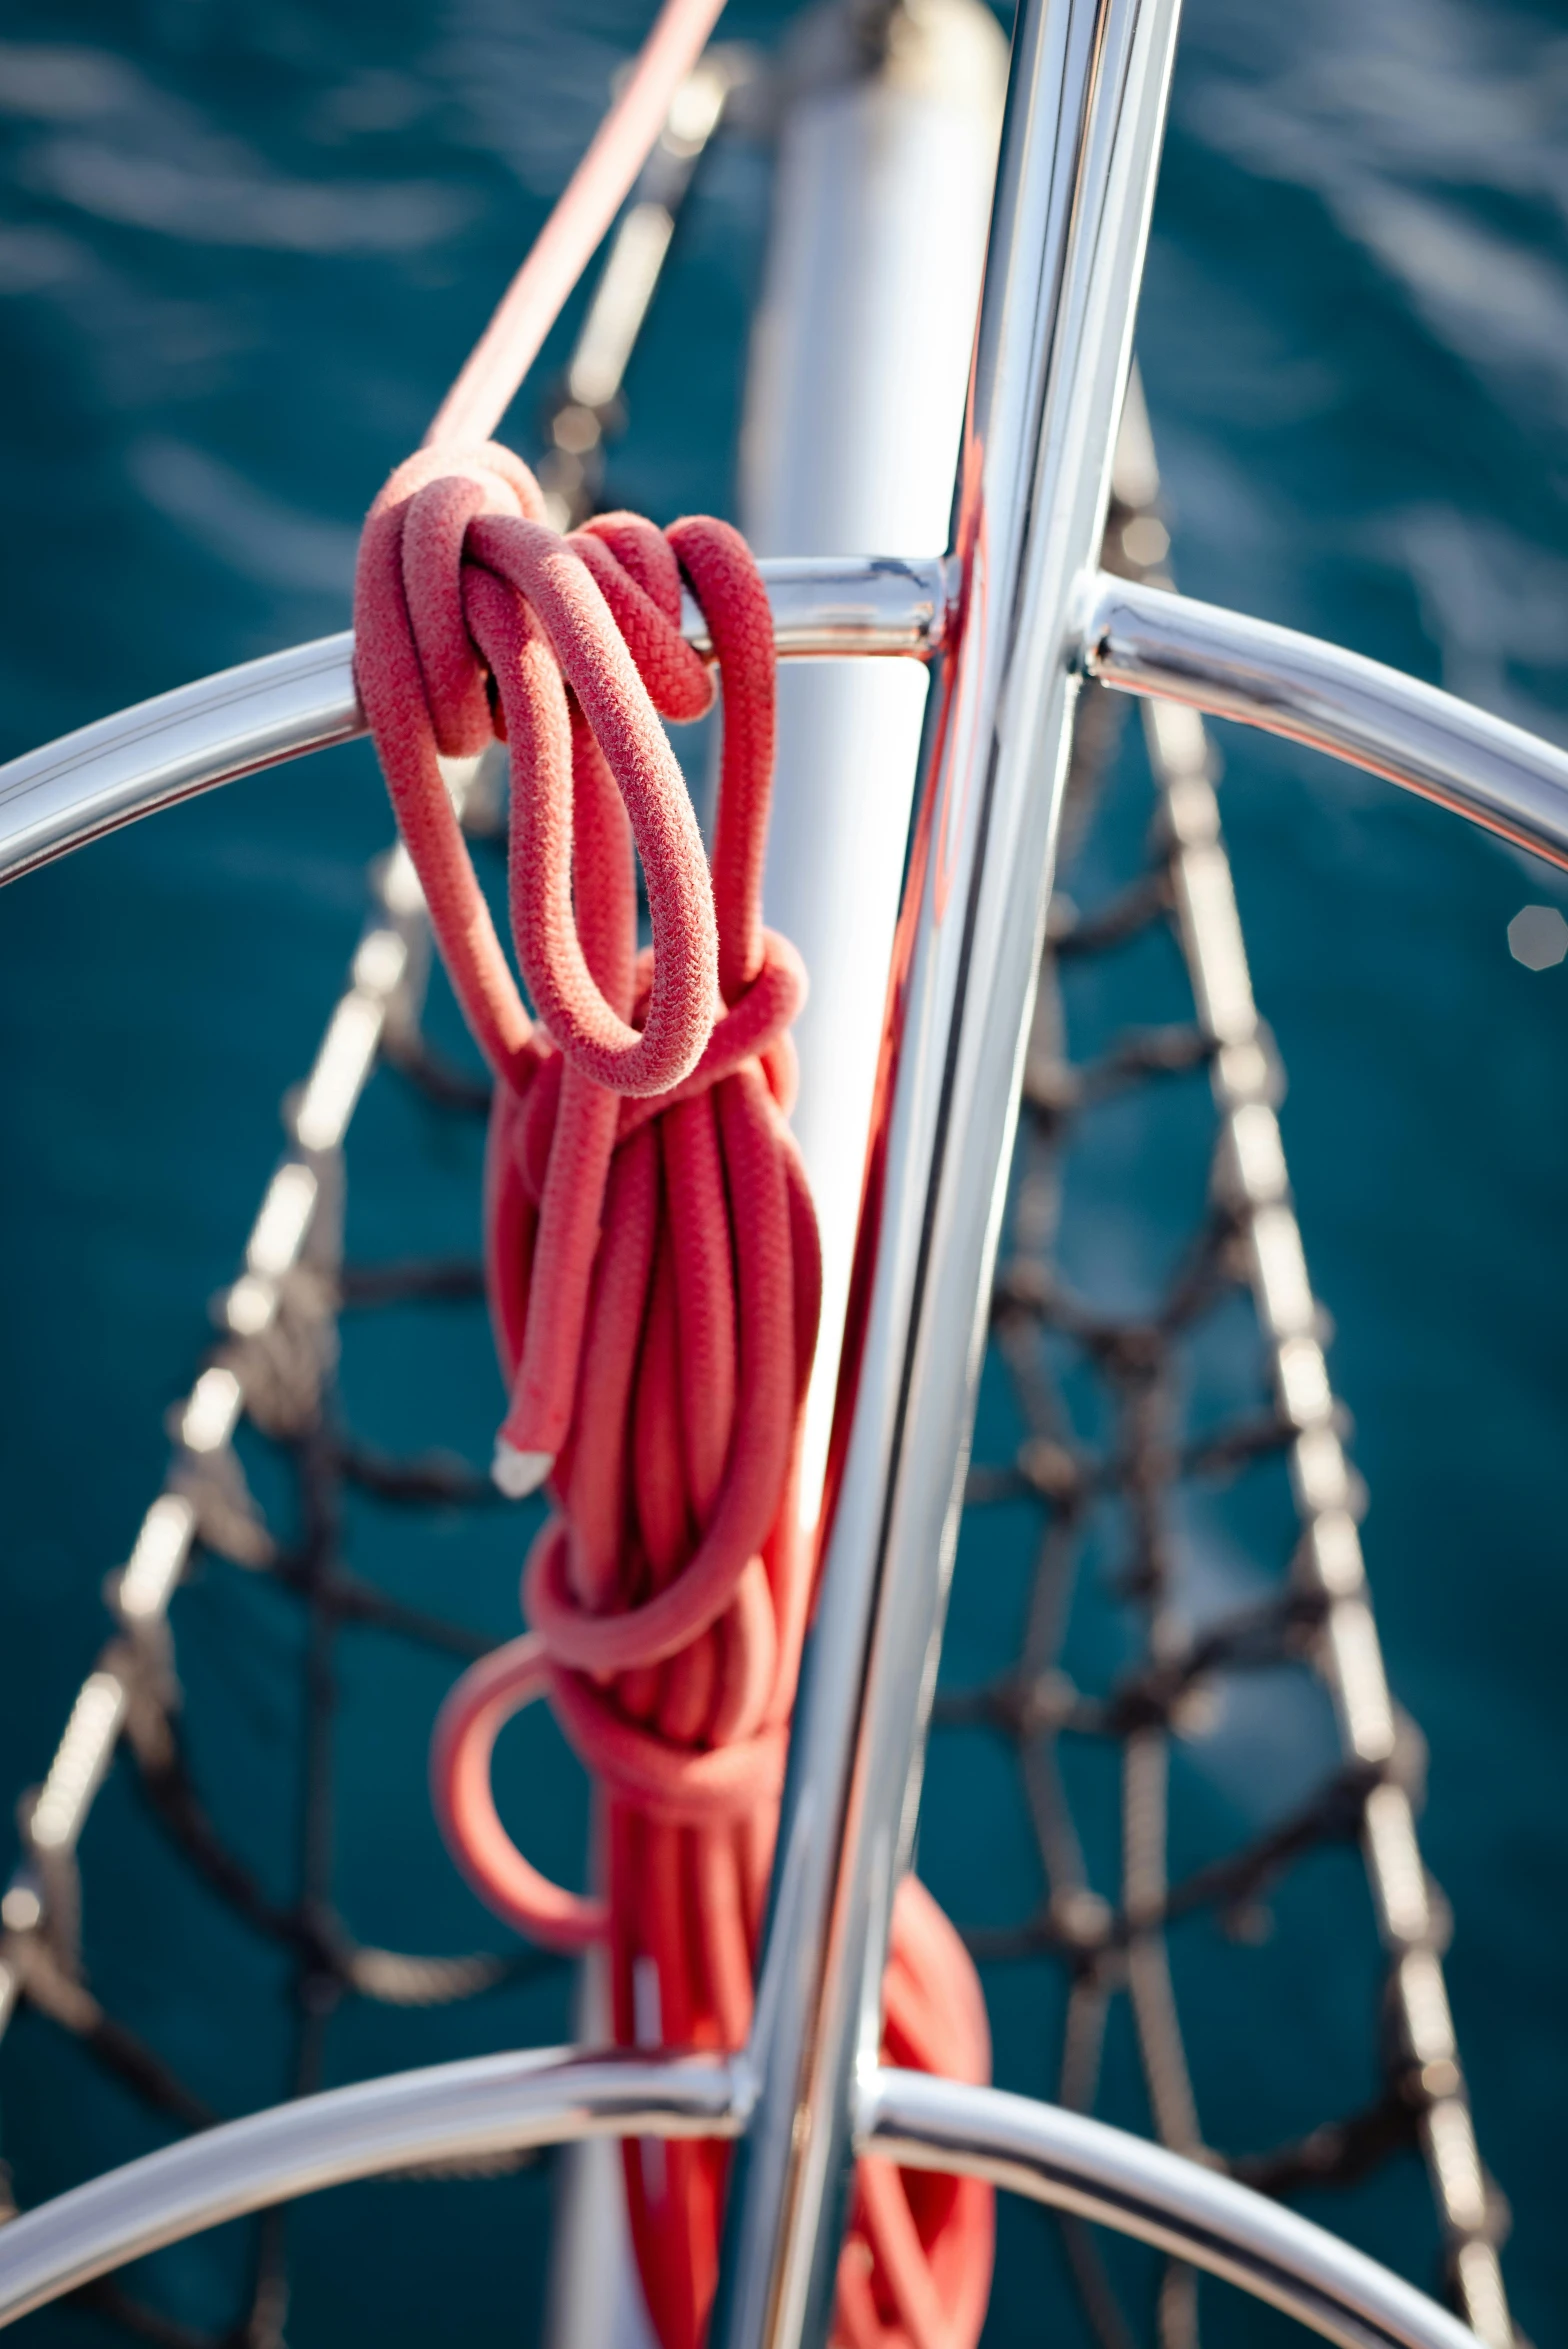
654, 1285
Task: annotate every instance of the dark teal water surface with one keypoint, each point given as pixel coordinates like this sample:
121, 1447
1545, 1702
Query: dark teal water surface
241, 252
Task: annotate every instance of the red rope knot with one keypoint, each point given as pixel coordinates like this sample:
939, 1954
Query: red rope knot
464, 593
653, 1273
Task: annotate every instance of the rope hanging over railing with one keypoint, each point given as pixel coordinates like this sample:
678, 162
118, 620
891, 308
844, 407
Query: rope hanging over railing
654, 1283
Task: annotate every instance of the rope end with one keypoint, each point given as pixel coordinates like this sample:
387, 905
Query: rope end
519, 1473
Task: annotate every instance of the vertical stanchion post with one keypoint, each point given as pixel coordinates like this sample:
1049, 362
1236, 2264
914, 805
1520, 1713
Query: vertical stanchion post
1080, 152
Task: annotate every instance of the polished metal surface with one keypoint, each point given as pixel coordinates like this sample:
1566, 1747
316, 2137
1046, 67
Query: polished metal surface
494, 2104
1147, 640
504, 2103
222, 727
1079, 155
168, 749
1139, 639
1080, 2165
827, 606
1079, 158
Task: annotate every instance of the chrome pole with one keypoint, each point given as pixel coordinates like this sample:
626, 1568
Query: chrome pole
1079, 156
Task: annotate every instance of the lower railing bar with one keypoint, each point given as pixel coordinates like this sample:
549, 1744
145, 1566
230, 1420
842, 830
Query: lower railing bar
1147, 640
553, 2096
461, 2111
1139, 2189
181, 743
1139, 639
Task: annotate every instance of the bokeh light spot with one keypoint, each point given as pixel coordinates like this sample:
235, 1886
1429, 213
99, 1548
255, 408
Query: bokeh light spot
1538, 937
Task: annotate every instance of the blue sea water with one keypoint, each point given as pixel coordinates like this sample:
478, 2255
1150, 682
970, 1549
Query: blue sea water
241, 251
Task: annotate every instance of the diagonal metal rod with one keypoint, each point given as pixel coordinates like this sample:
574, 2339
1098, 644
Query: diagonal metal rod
1080, 149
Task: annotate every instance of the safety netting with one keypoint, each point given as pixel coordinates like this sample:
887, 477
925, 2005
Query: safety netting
1162, 1618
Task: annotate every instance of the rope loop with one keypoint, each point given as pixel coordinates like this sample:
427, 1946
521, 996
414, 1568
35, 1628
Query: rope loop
470, 611
467, 1726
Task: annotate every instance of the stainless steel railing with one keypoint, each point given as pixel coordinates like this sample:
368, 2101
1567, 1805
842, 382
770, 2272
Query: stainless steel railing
1137, 639
555, 2096
1143, 640
181, 743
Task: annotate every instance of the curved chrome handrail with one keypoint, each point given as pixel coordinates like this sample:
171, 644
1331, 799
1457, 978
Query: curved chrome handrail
1138, 639
159, 752
446, 2112
1137, 2188
216, 730
1150, 641
552, 2096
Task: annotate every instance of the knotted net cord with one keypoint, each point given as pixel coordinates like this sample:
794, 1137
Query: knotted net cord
1112, 1452
275, 1375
